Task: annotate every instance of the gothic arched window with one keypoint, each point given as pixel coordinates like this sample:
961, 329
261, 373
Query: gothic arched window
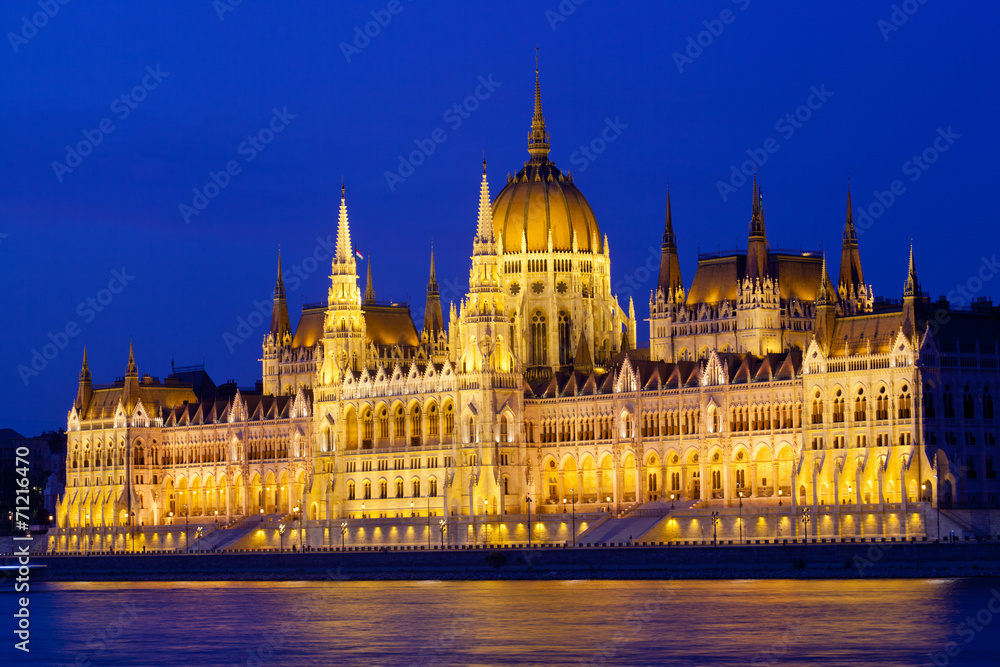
539, 357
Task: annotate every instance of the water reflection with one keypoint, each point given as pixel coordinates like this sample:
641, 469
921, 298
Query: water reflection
902, 622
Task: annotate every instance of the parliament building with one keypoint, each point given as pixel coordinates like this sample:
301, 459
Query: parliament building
769, 386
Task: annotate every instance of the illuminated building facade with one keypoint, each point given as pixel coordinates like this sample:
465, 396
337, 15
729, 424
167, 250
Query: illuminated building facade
764, 383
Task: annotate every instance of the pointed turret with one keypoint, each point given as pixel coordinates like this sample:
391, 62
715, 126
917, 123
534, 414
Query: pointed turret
85, 390
344, 251
369, 298
433, 317
280, 324
850, 259
484, 227
538, 138
670, 268
583, 361
912, 286
826, 311
757, 251
133, 371
911, 295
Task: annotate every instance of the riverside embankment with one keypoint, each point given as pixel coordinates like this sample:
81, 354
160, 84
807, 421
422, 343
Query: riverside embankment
814, 561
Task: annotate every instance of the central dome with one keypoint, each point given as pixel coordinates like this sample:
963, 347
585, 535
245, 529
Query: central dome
540, 201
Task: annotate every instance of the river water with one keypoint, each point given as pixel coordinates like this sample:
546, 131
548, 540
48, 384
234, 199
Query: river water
752, 622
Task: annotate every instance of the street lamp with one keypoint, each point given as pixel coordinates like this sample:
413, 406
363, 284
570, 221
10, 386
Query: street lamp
298, 511
132, 528
343, 532
87, 529
486, 522
198, 532
428, 519
186, 524
779, 497
715, 528
607, 500
573, 492
362, 510
672, 496
528, 500
411, 509
805, 523
444, 521
741, 517
281, 537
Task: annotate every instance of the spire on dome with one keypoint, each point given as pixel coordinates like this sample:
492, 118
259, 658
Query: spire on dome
484, 228
369, 286
538, 139
433, 279
345, 254
670, 268
826, 293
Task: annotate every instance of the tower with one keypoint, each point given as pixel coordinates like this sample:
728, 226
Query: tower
855, 297
434, 333
911, 296
668, 295
86, 388
344, 322
278, 337
758, 302
826, 311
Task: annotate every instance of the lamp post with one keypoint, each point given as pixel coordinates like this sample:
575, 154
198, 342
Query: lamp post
343, 533
779, 497
672, 496
741, 517
528, 500
805, 523
362, 510
573, 504
87, 529
486, 522
715, 528
198, 533
428, 519
281, 537
297, 510
607, 500
411, 509
131, 521
186, 525
444, 522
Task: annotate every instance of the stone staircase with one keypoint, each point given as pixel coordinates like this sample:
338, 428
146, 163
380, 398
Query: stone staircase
222, 538
631, 525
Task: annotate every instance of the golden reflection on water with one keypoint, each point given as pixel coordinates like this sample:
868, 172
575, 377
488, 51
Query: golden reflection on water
829, 622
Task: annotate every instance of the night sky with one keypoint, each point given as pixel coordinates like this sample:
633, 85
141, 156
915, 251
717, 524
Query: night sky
94, 239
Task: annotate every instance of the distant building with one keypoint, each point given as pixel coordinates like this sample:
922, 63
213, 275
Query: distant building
43, 457
764, 380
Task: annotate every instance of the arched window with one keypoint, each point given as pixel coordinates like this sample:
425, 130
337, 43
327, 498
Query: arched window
350, 491
433, 423
538, 356
817, 413
433, 490
882, 404
949, 403
416, 488
905, 403
928, 403
383, 422
512, 332
987, 403
400, 425
860, 406
838, 407
503, 428
399, 488
449, 419
367, 429
565, 350
968, 406
472, 430
368, 490
415, 431
383, 489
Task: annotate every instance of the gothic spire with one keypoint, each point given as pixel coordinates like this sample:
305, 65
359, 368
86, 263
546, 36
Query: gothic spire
850, 259
670, 267
345, 253
912, 286
131, 370
757, 250
484, 228
369, 286
433, 317
538, 139
826, 294
280, 324
85, 369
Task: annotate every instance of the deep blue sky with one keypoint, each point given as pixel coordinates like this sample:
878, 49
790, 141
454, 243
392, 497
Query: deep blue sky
119, 208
